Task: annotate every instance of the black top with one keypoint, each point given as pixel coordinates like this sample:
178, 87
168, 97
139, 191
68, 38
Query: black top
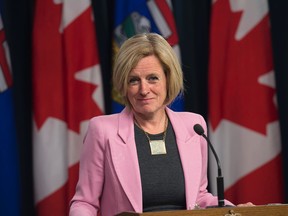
162, 177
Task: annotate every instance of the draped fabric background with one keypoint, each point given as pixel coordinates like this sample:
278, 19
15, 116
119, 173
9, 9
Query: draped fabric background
9, 159
192, 22
245, 131
67, 92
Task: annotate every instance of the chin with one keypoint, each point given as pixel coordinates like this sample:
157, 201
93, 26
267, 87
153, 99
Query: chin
143, 110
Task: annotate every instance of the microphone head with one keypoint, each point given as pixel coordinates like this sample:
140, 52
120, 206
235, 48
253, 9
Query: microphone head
198, 129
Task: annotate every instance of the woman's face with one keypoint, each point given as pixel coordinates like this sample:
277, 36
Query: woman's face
147, 89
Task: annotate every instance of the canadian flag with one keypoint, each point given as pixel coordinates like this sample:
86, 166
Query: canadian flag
243, 116
67, 92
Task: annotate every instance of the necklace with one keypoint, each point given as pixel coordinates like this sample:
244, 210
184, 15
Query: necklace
157, 147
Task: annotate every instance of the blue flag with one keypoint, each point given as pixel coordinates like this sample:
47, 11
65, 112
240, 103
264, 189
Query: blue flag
135, 17
9, 175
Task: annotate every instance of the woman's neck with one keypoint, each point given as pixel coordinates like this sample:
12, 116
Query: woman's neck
152, 124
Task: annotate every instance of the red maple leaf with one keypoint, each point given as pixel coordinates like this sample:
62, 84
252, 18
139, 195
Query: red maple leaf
57, 57
235, 67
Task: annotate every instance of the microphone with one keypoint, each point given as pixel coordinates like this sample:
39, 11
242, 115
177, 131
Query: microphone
220, 180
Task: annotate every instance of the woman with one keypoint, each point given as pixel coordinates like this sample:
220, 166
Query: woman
146, 158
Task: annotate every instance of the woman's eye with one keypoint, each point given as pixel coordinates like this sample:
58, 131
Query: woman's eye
133, 81
153, 78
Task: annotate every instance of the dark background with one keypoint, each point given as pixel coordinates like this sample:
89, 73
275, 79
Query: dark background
192, 20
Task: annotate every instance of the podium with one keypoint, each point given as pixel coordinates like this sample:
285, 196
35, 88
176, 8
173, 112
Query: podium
263, 210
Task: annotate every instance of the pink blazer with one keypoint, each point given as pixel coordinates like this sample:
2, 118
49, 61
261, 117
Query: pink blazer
109, 179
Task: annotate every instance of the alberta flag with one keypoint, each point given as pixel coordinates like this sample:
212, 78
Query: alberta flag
135, 17
9, 175
243, 115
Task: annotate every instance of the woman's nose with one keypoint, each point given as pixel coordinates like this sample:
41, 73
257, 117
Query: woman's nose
144, 88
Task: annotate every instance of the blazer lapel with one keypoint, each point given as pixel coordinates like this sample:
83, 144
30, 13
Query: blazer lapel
125, 160
190, 155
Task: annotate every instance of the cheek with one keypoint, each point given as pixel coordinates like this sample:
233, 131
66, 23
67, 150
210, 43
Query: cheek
165, 95
131, 92
163, 90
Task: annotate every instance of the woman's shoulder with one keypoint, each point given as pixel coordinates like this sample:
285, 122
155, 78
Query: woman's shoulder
187, 119
105, 117
104, 120
187, 115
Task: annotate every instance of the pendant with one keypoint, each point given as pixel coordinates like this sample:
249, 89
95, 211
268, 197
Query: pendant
157, 147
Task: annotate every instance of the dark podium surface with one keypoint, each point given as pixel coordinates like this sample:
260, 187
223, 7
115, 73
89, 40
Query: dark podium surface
269, 210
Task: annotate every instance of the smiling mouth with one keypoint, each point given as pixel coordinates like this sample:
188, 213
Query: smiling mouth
144, 100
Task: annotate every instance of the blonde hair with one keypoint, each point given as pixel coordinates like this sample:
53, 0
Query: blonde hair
140, 46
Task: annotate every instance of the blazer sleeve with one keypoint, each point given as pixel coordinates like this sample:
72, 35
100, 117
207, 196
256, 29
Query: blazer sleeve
86, 201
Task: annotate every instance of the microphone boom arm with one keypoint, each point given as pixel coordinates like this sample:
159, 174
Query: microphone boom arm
220, 180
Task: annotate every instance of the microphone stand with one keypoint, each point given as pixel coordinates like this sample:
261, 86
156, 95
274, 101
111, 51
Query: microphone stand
220, 180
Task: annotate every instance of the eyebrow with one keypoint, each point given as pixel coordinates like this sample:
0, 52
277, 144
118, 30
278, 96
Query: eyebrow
150, 74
